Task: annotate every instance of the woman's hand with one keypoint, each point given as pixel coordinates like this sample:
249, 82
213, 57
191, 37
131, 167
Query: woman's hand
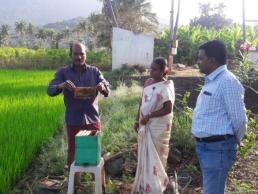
145, 119
136, 126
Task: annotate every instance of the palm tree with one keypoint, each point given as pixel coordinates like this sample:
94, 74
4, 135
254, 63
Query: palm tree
50, 34
20, 27
133, 15
66, 32
41, 34
136, 15
81, 28
57, 38
30, 29
5, 28
4, 32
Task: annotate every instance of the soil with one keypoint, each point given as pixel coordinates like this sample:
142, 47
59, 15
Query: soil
185, 72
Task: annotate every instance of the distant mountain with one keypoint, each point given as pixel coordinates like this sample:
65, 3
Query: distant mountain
41, 12
65, 24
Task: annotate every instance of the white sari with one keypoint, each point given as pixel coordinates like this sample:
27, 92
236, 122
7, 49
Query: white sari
153, 140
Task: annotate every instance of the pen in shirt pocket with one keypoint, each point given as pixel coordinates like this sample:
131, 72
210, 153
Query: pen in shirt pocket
207, 93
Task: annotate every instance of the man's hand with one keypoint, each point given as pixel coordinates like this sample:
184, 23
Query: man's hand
67, 84
101, 87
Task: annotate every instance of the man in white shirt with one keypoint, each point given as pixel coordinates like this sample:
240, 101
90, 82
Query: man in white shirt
219, 118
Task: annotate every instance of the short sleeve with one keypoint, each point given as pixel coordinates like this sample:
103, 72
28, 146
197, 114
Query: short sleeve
101, 79
168, 93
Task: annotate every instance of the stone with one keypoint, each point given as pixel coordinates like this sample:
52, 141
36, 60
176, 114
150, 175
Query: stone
174, 155
114, 167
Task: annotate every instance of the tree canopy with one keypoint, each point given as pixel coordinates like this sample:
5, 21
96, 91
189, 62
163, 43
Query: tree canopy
133, 15
211, 16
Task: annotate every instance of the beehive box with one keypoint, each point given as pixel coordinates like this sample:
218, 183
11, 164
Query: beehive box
87, 148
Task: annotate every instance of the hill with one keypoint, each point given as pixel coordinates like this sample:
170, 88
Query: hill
41, 12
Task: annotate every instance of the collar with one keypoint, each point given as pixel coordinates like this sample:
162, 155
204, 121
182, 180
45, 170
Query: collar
215, 73
83, 69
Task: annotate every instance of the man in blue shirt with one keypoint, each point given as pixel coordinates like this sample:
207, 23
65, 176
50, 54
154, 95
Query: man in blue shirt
219, 118
80, 113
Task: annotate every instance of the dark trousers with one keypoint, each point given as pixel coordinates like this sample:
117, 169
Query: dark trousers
72, 130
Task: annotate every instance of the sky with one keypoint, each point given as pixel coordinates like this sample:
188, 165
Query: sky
190, 9
46, 11
41, 12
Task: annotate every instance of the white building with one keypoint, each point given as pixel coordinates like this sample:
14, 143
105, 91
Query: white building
131, 48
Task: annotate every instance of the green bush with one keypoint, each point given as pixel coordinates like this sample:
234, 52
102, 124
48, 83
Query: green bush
190, 38
249, 141
181, 136
102, 59
23, 58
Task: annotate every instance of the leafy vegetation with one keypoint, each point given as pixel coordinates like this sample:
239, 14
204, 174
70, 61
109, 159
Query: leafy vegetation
47, 58
95, 31
190, 38
250, 137
247, 74
101, 59
28, 117
133, 15
181, 127
212, 17
118, 114
22, 132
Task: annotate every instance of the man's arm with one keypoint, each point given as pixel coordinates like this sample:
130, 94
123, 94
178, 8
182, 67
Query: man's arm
233, 94
53, 87
57, 85
103, 84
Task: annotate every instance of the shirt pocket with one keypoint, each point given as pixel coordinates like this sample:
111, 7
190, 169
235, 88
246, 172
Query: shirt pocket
209, 102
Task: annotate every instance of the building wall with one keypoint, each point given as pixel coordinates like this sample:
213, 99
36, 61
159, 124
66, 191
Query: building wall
254, 57
131, 49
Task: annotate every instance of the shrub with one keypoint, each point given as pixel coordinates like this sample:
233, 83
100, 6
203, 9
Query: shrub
23, 58
100, 59
189, 39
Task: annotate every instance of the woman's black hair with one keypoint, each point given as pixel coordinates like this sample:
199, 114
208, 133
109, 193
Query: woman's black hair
161, 62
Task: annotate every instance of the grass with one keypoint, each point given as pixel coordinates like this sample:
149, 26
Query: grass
28, 118
118, 114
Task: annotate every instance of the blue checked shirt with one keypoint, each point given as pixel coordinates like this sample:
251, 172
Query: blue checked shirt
220, 107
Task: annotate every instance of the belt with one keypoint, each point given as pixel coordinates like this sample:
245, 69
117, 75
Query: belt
214, 138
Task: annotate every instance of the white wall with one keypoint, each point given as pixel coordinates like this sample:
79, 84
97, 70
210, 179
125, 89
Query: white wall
254, 58
131, 48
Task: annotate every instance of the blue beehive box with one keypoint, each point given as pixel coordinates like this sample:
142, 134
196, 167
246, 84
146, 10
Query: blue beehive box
87, 148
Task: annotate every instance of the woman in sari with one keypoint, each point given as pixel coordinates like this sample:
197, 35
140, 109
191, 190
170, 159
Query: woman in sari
153, 124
